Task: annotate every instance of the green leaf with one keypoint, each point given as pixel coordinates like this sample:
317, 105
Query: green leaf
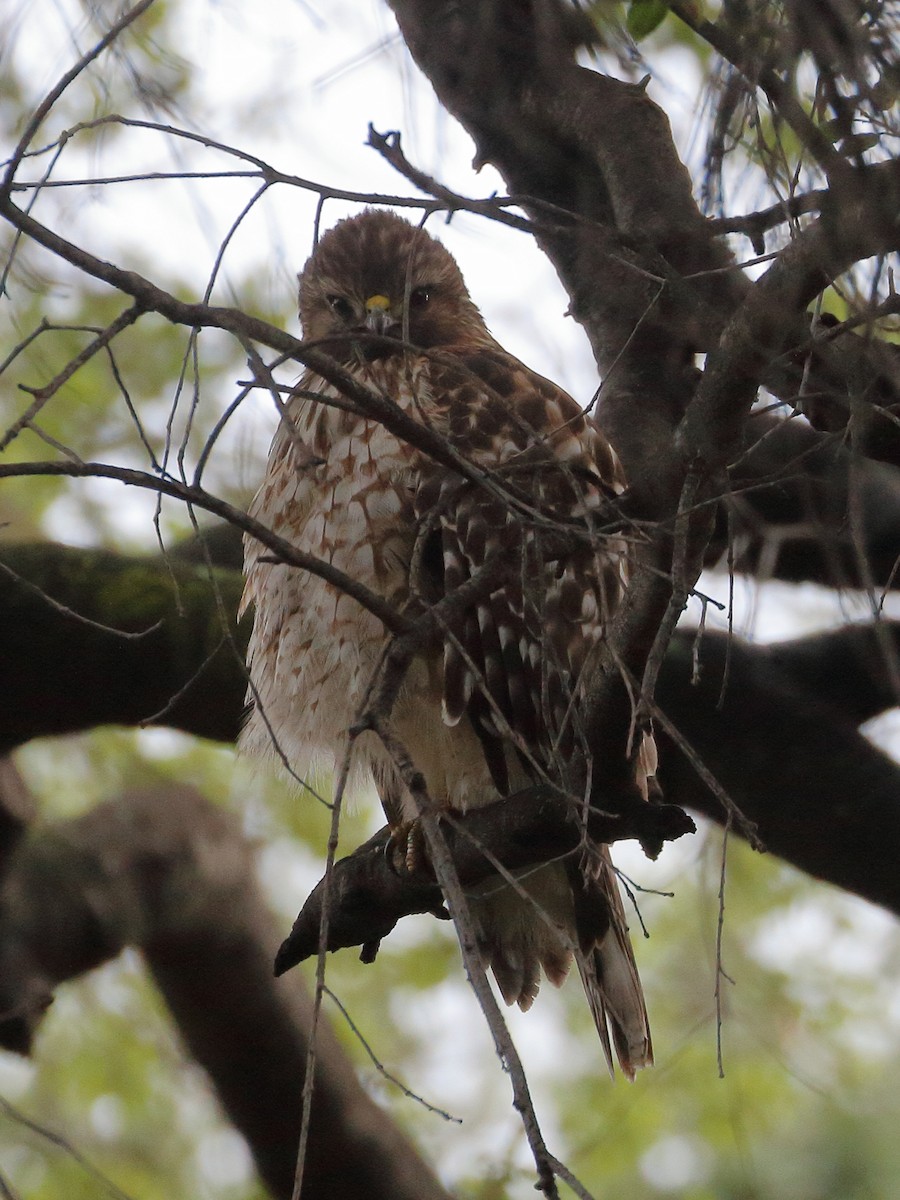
644, 16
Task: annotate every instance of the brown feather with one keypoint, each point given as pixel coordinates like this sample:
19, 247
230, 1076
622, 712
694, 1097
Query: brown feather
341, 487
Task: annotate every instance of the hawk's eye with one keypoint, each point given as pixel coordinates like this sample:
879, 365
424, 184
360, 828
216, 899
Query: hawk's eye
419, 297
341, 307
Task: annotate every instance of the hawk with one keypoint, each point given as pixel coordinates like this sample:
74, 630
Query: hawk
492, 706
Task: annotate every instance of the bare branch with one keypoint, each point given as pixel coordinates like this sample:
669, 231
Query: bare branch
37, 117
199, 498
120, 874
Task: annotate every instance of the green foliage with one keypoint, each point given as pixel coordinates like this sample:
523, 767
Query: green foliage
804, 1083
644, 16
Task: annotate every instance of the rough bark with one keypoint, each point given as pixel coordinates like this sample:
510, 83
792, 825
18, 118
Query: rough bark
593, 160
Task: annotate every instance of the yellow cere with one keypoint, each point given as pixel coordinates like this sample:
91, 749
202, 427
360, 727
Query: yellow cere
375, 302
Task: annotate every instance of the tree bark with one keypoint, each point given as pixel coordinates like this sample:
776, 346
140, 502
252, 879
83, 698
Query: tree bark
785, 745
593, 160
91, 638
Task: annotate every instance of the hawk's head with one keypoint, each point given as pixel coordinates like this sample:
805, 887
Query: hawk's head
376, 274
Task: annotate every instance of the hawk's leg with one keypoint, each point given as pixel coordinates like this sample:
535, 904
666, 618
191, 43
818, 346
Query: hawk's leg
406, 851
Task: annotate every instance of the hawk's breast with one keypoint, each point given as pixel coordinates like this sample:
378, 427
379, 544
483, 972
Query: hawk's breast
341, 488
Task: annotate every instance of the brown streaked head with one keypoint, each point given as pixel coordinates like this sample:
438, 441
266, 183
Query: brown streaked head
371, 270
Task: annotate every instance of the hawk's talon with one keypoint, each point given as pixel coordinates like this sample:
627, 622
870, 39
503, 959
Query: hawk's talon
406, 851
392, 854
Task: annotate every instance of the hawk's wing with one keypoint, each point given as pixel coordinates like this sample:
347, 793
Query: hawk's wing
512, 663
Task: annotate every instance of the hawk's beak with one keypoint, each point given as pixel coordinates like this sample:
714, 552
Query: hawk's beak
378, 314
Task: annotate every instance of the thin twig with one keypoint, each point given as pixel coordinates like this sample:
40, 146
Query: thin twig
125, 634
310, 1068
726, 671
446, 874
388, 146
63, 1143
720, 970
380, 1067
43, 394
734, 815
685, 570
170, 704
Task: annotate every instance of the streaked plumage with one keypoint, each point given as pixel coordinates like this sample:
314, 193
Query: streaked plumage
496, 705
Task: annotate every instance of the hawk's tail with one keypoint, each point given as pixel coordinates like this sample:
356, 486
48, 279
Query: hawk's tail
516, 942
606, 958
613, 989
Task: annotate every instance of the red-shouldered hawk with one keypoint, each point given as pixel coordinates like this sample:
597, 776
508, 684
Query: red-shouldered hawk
496, 706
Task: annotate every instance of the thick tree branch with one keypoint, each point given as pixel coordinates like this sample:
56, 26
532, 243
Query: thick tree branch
792, 493
822, 797
367, 897
844, 668
63, 675
819, 795
69, 675
170, 873
647, 277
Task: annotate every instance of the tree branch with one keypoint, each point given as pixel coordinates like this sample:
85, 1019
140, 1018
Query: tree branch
63, 675
534, 826
821, 796
68, 675
78, 891
783, 750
